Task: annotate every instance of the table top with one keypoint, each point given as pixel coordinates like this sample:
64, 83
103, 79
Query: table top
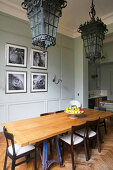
36, 129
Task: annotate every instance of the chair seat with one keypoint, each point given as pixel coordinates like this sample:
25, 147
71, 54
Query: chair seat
20, 150
76, 139
90, 133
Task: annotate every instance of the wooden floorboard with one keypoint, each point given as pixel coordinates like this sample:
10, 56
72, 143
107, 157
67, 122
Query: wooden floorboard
98, 161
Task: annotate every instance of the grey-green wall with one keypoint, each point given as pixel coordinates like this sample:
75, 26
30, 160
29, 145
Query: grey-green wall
81, 73
60, 62
106, 69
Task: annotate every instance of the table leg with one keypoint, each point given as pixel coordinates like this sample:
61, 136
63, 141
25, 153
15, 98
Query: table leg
59, 155
44, 159
45, 163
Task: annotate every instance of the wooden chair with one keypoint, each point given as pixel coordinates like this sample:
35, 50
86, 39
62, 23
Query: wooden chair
103, 121
73, 140
91, 134
15, 151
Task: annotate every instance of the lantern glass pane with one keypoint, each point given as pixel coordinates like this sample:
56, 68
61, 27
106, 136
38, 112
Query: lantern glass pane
51, 19
50, 30
54, 32
31, 22
38, 18
46, 16
39, 29
33, 32
56, 21
46, 28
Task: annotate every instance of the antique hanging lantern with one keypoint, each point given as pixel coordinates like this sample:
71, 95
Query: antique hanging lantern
44, 17
93, 33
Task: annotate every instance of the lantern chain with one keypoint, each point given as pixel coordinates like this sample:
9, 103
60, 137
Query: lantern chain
92, 13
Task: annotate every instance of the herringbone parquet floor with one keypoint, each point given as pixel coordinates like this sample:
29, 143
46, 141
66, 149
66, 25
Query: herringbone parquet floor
98, 161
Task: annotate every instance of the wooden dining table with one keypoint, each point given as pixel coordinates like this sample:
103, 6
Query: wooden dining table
30, 131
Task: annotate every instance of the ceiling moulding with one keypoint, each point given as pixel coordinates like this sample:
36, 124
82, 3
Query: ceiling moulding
107, 40
107, 19
14, 9
65, 31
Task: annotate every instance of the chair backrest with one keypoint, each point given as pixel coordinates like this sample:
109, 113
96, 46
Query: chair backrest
100, 108
45, 114
75, 103
96, 108
9, 137
94, 124
59, 111
103, 109
75, 128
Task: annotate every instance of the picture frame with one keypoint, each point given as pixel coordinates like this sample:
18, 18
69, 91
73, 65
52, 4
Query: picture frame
16, 55
39, 82
38, 60
16, 82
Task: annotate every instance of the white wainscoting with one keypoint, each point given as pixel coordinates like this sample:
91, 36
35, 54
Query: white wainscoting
65, 103
25, 110
53, 105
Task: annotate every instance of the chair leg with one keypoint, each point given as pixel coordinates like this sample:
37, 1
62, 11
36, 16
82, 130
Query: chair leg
86, 147
72, 155
28, 158
98, 142
35, 158
13, 165
5, 161
105, 127
61, 145
50, 145
100, 136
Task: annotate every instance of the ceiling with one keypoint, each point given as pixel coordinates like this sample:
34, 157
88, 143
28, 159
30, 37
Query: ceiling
76, 12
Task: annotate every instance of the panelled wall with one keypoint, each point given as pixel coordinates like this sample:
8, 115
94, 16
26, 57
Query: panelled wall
105, 71
60, 63
81, 73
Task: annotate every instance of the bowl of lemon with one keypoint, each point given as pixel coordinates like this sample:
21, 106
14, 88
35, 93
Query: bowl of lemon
75, 112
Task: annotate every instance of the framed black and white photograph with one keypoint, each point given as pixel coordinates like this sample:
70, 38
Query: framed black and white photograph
16, 55
38, 59
16, 82
39, 82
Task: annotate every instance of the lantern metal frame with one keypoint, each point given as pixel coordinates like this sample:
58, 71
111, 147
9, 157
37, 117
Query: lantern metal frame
93, 33
44, 17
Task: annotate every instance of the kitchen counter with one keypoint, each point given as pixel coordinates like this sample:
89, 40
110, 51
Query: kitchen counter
94, 101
